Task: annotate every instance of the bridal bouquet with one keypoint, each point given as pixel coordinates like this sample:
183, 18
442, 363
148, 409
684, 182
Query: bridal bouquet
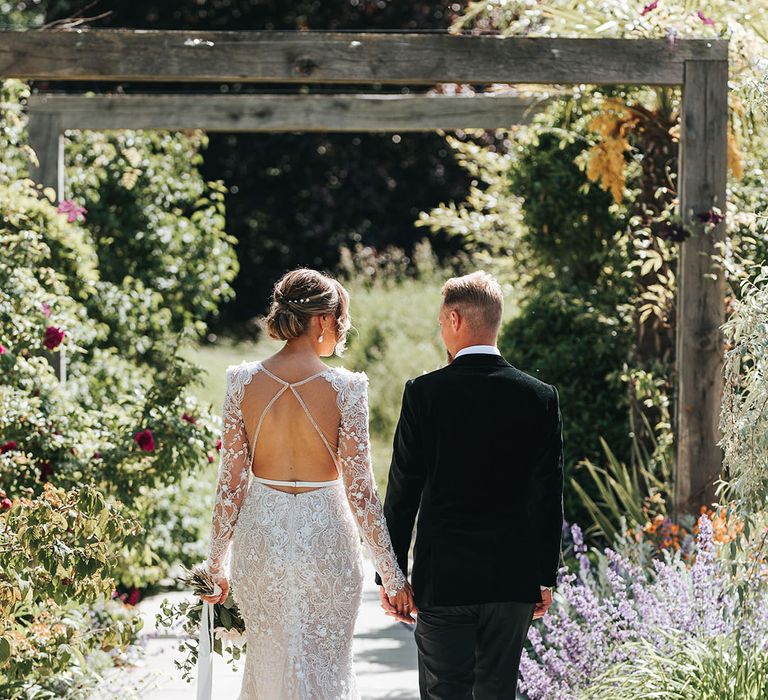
228, 626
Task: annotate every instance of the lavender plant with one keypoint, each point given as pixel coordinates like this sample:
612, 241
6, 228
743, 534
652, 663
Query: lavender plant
604, 609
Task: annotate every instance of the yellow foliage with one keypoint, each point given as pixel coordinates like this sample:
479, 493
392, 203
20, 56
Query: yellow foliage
734, 156
605, 160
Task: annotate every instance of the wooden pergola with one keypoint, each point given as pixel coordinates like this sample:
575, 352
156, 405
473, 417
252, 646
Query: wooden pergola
699, 67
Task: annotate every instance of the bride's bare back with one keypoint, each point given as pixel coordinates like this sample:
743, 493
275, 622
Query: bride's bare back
292, 419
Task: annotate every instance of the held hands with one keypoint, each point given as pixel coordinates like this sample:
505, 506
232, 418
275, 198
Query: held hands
220, 590
542, 606
400, 606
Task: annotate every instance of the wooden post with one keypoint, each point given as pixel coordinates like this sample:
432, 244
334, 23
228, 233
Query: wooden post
47, 141
701, 289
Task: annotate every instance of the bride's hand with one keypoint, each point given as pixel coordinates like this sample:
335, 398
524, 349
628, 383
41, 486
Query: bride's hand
223, 584
402, 605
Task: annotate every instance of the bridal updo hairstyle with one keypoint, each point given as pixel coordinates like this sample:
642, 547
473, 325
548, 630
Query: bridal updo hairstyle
301, 294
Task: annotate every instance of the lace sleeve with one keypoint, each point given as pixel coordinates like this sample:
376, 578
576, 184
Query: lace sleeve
357, 473
234, 469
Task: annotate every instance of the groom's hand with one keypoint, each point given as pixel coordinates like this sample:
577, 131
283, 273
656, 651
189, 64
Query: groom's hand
403, 600
541, 607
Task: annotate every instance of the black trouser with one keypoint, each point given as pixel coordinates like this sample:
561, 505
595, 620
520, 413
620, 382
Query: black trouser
471, 652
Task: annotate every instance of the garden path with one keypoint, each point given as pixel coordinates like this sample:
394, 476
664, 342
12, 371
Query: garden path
385, 658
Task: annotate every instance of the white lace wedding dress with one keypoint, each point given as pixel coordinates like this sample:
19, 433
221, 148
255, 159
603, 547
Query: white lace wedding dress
296, 571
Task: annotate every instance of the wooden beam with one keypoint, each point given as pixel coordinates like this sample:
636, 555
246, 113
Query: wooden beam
701, 288
276, 113
328, 57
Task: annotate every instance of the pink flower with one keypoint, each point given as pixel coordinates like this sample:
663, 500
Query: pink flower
218, 445
46, 470
2, 349
6, 504
649, 8
72, 210
210, 459
188, 418
53, 337
46, 309
8, 446
145, 440
704, 19
133, 597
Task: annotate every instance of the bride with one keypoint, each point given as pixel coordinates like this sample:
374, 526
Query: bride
295, 486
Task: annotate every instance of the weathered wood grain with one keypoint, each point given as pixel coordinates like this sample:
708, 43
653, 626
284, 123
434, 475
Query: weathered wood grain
278, 113
327, 57
701, 288
46, 141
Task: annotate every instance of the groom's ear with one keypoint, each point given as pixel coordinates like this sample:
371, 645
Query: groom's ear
455, 319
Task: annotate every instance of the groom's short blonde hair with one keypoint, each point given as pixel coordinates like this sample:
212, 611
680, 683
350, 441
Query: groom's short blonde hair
477, 297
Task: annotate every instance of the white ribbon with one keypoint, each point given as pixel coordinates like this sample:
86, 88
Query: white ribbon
204, 655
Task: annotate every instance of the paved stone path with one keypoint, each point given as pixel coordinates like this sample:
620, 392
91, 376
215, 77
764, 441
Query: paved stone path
385, 658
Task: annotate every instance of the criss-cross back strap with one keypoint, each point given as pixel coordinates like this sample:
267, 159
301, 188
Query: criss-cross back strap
292, 386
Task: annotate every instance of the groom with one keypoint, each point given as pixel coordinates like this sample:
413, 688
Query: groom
478, 454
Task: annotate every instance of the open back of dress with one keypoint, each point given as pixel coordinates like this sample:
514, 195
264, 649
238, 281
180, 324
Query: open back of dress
292, 428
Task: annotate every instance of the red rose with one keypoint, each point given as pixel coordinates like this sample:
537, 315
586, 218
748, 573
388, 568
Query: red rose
53, 337
46, 470
96, 455
2, 349
8, 446
210, 459
218, 445
188, 418
133, 597
6, 504
145, 440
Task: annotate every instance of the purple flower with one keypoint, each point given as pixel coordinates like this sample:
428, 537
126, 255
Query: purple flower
46, 309
673, 37
714, 216
627, 597
709, 22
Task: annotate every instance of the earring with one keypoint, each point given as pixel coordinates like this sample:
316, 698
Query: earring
320, 339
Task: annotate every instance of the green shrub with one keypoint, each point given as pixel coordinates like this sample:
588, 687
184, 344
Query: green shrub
157, 226
121, 435
57, 554
567, 341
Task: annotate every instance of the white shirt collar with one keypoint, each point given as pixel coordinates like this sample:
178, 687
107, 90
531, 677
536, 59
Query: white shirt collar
478, 350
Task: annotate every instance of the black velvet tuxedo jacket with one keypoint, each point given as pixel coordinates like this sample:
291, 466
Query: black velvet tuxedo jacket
478, 454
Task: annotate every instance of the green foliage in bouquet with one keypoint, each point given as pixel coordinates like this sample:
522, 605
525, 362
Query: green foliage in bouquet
228, 624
